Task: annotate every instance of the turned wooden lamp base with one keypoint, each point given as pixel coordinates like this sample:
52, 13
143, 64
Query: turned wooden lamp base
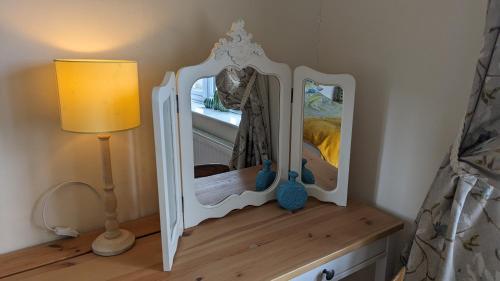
103, 246
114, 240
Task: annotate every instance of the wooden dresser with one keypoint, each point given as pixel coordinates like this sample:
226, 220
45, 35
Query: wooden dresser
264, 243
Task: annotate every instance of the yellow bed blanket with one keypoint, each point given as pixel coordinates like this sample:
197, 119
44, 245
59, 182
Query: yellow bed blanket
324, 133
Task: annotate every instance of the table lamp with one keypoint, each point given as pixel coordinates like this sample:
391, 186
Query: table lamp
101, 96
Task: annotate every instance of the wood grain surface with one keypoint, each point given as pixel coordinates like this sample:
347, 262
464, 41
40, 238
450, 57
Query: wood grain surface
256, 243
63, 249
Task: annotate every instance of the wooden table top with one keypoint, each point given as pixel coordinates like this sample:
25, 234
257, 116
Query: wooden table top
256, 243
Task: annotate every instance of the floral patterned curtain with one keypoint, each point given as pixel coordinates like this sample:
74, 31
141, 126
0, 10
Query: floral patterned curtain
457, 233
248, 91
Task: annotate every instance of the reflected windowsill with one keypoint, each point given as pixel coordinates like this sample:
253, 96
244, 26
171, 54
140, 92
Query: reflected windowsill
229, 117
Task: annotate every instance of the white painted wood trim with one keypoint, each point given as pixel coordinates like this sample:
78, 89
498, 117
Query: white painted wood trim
381, 272
360, 266
348, 84
349, 263
239, 52
169, 237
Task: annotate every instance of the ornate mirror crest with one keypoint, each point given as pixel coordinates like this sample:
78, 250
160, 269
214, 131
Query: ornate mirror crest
239, 47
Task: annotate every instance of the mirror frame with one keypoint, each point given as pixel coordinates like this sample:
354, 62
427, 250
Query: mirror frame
339, 194
169, 235
239, 52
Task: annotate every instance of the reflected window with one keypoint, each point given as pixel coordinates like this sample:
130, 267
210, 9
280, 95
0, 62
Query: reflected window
205, 101
202, 89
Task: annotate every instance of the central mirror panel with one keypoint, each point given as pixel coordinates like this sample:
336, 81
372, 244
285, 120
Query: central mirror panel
235, 122
321, 134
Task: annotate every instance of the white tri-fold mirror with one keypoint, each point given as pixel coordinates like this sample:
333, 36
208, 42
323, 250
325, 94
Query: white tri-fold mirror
168, 168
321, 136
217, 123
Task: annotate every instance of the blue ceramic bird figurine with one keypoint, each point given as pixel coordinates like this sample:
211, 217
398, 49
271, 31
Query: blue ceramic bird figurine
307, 175
265, 177
292, 195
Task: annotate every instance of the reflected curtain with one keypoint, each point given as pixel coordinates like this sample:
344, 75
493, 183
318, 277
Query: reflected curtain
248, 91
457, 233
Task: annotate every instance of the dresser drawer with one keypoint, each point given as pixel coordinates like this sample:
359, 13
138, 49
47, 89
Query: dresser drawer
347, 264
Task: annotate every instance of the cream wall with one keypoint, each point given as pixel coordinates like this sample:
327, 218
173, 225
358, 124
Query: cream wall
413, 62
161, 35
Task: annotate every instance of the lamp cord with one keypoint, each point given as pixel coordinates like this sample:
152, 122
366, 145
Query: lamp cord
52, 190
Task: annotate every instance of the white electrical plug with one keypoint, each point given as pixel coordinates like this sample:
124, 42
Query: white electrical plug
66, 231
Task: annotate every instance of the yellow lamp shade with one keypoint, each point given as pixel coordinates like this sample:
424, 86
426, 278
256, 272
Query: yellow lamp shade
98, 96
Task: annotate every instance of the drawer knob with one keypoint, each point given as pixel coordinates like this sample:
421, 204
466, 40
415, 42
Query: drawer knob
328, 274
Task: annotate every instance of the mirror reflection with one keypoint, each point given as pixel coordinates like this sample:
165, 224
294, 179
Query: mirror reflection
235, 130
170, 160
321, 135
